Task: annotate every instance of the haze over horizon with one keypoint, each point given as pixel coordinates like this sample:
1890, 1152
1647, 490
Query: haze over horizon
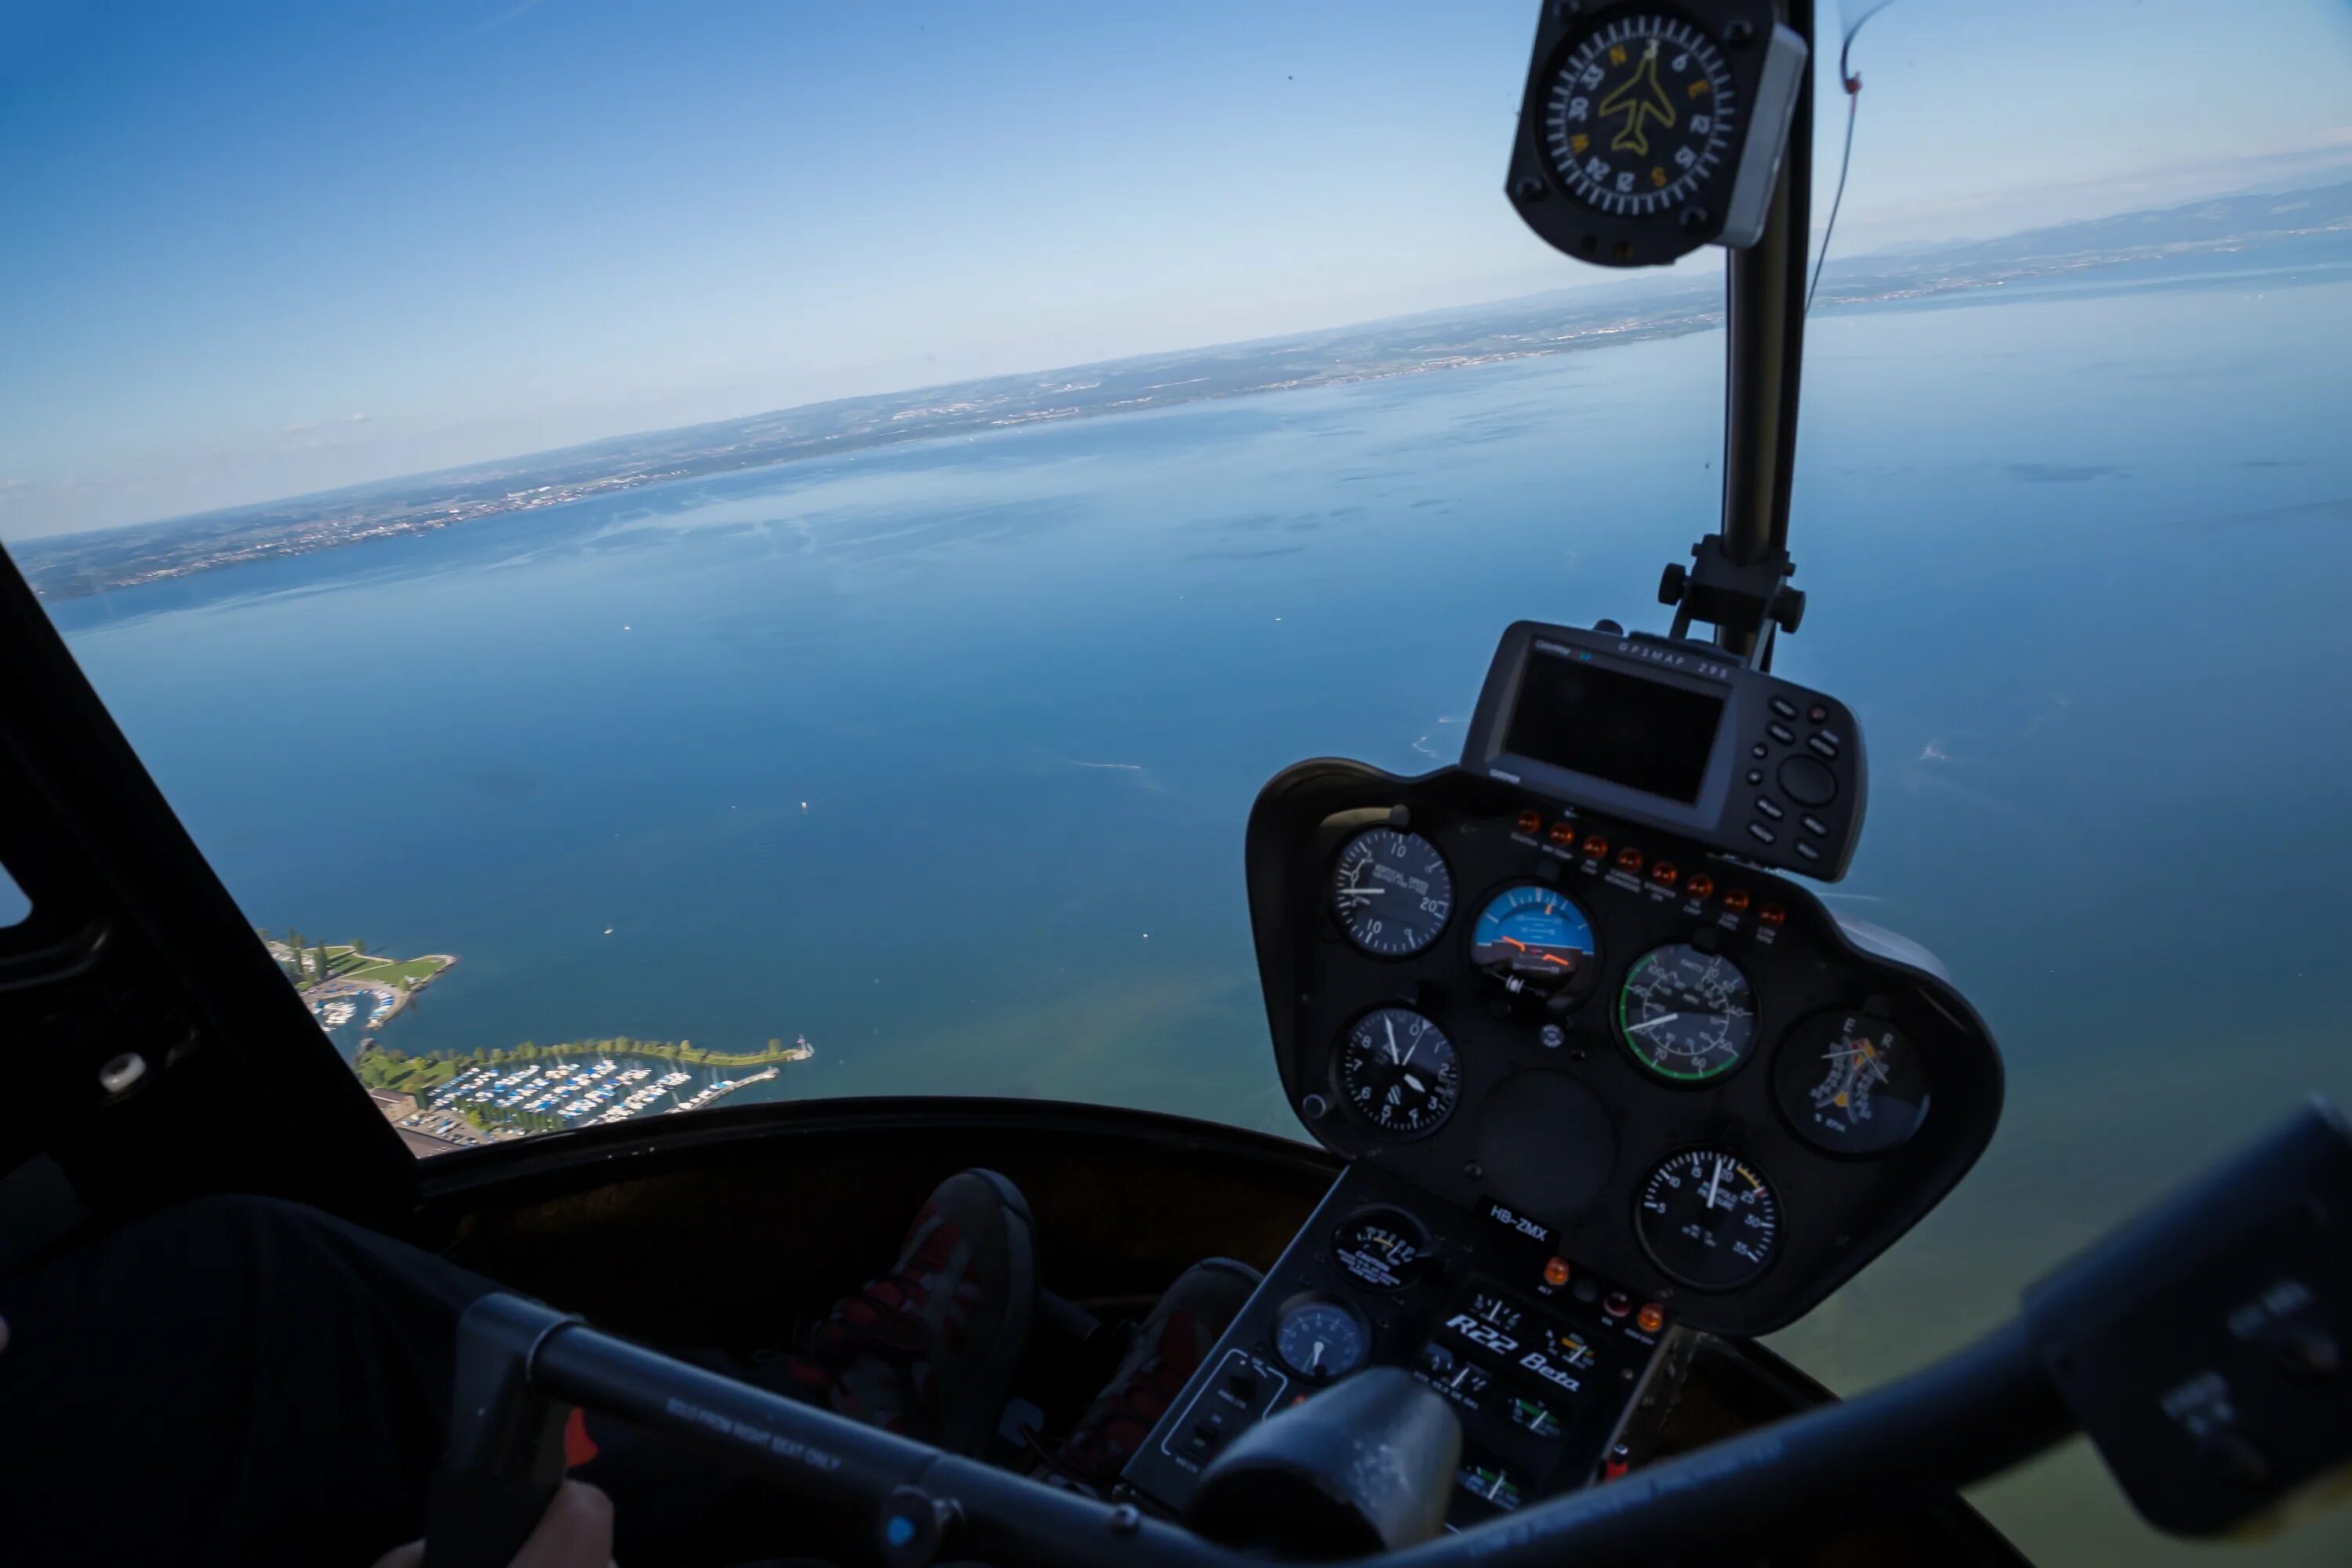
291, 251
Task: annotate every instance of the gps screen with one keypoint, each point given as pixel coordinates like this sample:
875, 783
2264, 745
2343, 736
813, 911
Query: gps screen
1606, 724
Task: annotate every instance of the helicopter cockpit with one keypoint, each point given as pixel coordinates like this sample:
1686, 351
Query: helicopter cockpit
1597, 1089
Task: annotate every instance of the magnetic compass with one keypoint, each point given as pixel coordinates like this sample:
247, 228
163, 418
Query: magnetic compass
1647, 132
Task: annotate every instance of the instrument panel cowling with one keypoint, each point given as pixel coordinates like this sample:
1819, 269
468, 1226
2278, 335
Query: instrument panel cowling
1550, 1114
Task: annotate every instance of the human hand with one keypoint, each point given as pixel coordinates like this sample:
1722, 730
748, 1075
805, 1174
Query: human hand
576, 1532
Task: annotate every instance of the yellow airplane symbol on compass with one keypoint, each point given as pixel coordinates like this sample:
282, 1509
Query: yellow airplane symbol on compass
1640, 99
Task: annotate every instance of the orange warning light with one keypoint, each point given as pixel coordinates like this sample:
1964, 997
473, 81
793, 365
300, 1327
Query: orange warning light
1531, 821
1652, 1318
1735, 899
1701, 885
1596, 846
1555, 1272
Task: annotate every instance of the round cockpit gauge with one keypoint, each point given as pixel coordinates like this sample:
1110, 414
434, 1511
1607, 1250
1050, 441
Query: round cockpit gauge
1851, 1084
1687, 1015
1398, 1070
1320, 1340
1639, 117
1391, 892
1708, 1219
1380, 1249
1534, 938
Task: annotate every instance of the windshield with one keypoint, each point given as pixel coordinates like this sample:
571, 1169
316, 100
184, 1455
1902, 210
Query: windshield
673, 557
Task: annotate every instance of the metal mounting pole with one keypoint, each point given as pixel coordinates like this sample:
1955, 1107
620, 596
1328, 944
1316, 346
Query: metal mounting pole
1764, 292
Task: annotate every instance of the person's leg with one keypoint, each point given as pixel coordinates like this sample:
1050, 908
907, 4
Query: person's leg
928, 1350
244, 1380
232, 1380
1186, 1322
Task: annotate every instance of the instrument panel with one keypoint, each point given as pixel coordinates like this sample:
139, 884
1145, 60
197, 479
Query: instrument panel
1558, 1375
1664, 1064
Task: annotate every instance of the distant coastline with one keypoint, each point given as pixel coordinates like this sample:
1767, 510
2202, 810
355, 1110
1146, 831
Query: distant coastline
2228, 229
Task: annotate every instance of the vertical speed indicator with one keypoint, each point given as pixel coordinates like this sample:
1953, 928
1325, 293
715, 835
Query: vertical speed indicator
1391, 892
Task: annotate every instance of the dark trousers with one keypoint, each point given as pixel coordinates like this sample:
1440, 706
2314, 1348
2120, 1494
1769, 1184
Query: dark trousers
243, 1380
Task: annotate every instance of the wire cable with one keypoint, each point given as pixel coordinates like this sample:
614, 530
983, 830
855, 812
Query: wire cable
1853, 84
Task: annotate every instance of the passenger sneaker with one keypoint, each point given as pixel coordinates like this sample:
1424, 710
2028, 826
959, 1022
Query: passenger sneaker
1168, 1349
930, 1349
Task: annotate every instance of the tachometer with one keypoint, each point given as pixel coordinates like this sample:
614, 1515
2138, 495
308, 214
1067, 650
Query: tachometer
1399, 1071
1851, 1084
1391, 892
1708, 1219
1534, 938
1687, 1015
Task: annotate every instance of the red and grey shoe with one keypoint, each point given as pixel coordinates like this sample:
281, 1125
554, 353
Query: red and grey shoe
930, 1349
1168, 1349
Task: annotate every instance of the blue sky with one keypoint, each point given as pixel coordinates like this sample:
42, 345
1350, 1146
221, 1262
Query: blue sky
255, 250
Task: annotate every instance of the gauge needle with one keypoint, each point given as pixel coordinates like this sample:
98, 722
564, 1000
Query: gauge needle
1390, 1024
1363, 892
1715, 1187
1876, 1067
1662, 1018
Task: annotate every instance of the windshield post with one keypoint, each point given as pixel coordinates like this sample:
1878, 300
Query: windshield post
1764, 326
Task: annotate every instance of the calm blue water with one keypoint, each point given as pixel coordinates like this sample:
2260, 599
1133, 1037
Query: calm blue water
940, 755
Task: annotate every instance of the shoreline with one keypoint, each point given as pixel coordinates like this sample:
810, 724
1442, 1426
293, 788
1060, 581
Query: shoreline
321, 995
510, 1092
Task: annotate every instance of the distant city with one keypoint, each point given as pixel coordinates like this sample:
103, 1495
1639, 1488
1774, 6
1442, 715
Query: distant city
2127, 246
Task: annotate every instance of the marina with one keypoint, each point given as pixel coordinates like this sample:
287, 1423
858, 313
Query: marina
504, 1095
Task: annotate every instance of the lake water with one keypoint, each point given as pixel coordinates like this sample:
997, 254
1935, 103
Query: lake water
940, 755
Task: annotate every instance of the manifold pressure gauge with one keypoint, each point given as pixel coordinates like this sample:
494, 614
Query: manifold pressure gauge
1648, 131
